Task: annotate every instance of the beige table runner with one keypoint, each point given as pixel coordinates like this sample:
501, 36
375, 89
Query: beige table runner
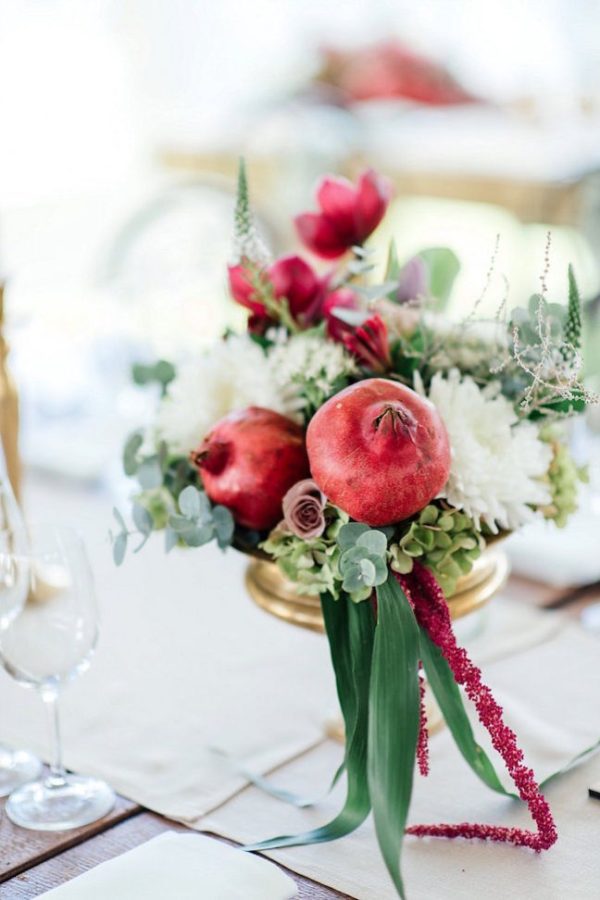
186, 662
551, 697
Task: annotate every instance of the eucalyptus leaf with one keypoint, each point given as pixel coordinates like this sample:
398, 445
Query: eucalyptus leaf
130, 453
349, 534
381, 570
171, 539
197, 535
353, 579
367, 571
190, 502
161, 372
119, 548
352, 557
142, 519
224, 525
377, 291
353, 317
374, 542
149, 473
179, 523
120, 519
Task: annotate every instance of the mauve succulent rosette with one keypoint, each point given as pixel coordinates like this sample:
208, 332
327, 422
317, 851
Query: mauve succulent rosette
370, 446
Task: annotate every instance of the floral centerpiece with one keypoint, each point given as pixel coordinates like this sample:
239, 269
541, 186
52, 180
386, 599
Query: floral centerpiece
372, 448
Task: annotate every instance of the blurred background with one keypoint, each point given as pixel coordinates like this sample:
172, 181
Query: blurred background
122, 123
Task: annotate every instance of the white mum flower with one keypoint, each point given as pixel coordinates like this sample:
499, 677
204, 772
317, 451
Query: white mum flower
304, 358
497, 459
233, 374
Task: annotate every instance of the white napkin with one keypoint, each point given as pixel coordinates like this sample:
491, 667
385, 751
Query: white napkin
563, 557
182, 866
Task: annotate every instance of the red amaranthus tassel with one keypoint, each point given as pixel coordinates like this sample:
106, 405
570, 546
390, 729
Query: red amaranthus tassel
423, 741
369, 343
431, 611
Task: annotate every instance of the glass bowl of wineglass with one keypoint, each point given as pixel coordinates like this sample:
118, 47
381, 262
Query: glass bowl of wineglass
47, 643
16, 766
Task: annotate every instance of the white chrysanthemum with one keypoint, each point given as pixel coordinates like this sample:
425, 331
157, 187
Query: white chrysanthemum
497, 459
309, 358
231, 375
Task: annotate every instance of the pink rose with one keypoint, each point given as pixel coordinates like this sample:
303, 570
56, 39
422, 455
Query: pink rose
303, 507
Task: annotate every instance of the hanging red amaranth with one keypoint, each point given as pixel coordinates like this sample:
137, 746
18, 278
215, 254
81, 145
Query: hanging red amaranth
432, 614
423, 741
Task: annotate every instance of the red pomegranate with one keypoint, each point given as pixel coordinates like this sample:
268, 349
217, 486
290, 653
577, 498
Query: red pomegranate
249, 461
379, 451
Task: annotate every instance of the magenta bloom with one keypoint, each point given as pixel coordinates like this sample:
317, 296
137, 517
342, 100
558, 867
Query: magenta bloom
303, 507
288, 277
309, 298
348, 214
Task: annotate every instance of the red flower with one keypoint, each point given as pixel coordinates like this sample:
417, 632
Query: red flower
348, 214
341, 299
289, 277
369, 344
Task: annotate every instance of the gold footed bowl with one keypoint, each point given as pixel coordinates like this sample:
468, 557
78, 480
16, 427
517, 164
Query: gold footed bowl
269, 588
274, 593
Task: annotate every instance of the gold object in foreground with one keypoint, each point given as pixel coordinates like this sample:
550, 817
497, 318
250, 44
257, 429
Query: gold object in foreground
274, 593
9, 411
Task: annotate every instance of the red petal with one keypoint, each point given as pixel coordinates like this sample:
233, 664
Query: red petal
374, 195
319, 235
342, 299
338, 199
294, 279
242, 290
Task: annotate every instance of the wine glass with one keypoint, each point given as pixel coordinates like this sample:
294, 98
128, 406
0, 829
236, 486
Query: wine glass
46, 644
16, 766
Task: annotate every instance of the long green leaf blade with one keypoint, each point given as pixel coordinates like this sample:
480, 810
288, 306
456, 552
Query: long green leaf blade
350, 628
394, 710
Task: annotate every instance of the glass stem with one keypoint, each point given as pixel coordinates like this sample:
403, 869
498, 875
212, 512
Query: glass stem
57, 770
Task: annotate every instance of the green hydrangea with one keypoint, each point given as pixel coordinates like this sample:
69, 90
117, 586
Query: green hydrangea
312, 564
443, 539
563, 476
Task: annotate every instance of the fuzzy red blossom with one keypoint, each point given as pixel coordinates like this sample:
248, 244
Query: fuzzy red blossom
431, 611
369, 343
348, 214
